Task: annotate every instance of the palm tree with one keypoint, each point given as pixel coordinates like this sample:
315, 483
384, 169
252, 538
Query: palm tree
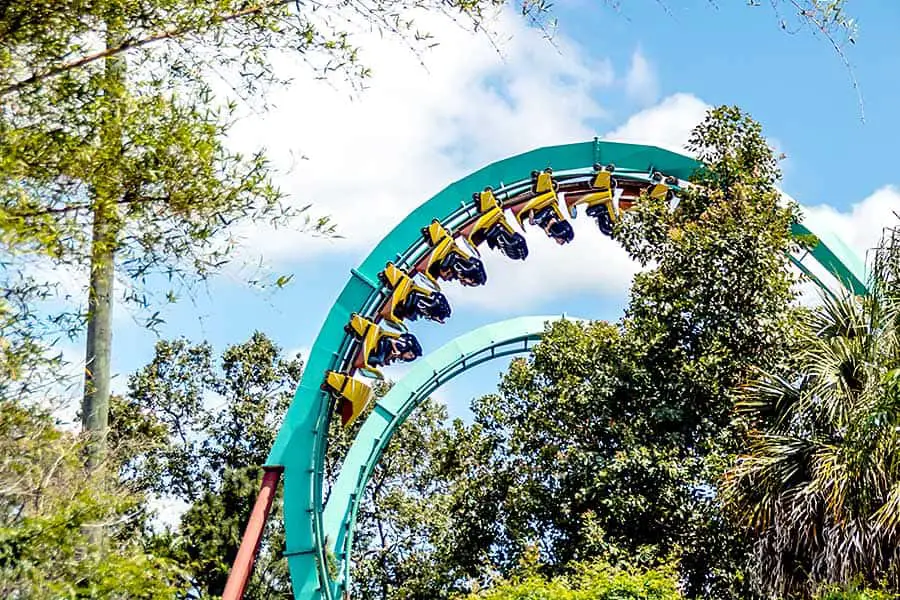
819, 480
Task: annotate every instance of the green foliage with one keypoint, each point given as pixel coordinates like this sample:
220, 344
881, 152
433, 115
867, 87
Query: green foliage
819, 479
186, 422
210, 532
192, 431
590, 581
607, 442
610, 439
195, 433
588, 469
854, 593
113, 157
405, 530
48, 507
716, 304
28, 365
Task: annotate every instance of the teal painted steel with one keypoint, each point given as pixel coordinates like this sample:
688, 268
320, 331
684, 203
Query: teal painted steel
300, 444
497, 340
832, 253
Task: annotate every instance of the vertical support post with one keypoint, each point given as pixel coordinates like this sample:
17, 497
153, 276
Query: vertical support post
243, 562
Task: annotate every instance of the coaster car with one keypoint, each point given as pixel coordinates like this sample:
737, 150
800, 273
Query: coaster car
493, 228
352, 395
543, 209
410, 301
660, 186
449, 261
380, 347
599, 200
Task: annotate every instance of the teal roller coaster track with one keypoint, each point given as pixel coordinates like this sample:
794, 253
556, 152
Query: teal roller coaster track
318, 534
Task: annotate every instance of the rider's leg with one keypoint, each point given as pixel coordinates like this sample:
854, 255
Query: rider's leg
601, 214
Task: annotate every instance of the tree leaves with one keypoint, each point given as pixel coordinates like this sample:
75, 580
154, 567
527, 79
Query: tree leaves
595, 580
50, 505
611, 437
818, 481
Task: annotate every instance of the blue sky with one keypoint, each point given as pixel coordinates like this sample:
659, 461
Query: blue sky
643, 74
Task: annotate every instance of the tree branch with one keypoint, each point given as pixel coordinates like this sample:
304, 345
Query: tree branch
130, 44
822, 26
83, 206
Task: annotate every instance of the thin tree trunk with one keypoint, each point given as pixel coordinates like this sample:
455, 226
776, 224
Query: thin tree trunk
95, 407
107, 193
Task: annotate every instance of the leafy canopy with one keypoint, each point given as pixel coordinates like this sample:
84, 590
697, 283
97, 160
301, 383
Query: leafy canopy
818, 480
49, 505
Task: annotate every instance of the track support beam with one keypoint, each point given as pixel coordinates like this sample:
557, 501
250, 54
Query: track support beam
243, 562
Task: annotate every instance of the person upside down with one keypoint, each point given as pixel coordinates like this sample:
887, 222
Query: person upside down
555, 228
434, 307
390, 349
512, 245
600, 213
468, 271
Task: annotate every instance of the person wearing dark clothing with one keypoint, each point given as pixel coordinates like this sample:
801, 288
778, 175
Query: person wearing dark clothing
469, 271
433, 306
600, 213
404, 347
512, 245
556, 228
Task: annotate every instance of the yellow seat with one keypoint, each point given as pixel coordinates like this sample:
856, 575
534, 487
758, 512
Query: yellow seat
370, 334
661, 186
544, 188
602, 191
352, 395
658, 191
542, 182
491, 214
402, 285
443, 245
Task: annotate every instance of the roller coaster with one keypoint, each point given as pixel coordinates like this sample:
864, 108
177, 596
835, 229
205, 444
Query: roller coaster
366, 330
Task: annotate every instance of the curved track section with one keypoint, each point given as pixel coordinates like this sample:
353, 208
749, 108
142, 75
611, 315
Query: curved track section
300, 445
497, 340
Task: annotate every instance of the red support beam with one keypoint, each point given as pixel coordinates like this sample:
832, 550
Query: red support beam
243, 562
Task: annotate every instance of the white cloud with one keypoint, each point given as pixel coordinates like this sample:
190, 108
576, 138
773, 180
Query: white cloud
381, 163
592, 263
860, 227
667, 125
641, 82
374, 158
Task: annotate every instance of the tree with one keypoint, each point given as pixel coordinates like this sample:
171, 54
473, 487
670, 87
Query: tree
818, 482
196, 433
193, 432
411, 535
589, 469
49, 504
112, 138
613, 436
717, 303
115, 160
589, 581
